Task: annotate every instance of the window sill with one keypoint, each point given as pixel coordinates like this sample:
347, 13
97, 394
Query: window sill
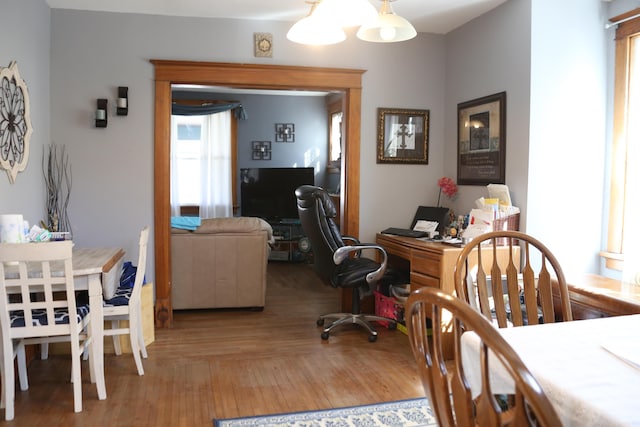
613, 261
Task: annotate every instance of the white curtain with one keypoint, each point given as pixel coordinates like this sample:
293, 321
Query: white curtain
215, 171
214, 180
631, 233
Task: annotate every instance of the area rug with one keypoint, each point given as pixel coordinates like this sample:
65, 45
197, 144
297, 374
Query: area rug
403, 413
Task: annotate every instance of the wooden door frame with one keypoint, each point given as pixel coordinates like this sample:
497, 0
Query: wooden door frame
254, 76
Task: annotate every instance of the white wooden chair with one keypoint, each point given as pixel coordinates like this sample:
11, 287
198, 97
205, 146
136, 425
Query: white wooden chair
126, 305
29, 275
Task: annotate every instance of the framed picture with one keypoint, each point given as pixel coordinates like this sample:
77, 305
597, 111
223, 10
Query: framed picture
261, 150
482, 131
285, 132
403, 136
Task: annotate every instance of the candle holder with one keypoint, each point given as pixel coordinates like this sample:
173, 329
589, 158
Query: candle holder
122, 103
101, 113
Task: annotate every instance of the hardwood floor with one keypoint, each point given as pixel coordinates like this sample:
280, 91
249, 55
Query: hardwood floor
233, 363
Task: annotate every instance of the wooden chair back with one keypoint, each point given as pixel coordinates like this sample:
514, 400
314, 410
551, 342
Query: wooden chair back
445, 382
515, 293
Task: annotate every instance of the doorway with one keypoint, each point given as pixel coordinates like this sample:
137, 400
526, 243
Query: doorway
252, 76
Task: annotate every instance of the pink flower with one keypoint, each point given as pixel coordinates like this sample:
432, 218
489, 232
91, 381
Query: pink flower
448, 187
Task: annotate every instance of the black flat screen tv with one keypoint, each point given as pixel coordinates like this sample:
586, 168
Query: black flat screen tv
269, 193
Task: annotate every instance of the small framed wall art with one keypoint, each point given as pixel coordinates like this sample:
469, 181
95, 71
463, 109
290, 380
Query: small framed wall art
285, 132
261, 150
403, 136
263, 45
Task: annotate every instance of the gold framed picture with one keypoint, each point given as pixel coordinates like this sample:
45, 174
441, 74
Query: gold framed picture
403, 136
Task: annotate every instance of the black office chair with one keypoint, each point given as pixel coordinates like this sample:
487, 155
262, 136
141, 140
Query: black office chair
339, 264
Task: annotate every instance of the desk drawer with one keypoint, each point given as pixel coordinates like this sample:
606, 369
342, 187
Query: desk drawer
419, 280
426, 263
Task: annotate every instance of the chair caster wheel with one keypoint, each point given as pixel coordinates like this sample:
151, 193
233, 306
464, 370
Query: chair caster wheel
320, 322
373, 338
325, 336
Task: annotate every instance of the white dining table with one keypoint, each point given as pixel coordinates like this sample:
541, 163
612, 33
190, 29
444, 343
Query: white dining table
589, 369
96, 270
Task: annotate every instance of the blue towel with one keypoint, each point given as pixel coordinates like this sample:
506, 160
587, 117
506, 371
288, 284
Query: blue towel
185, 222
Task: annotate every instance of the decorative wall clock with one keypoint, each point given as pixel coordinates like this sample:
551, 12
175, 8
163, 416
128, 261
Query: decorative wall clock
15, 121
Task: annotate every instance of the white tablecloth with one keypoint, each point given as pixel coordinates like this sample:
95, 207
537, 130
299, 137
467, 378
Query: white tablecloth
587, 384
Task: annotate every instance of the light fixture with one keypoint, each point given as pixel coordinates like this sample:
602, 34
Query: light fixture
387, 27
348, 13
325, 22
316, 29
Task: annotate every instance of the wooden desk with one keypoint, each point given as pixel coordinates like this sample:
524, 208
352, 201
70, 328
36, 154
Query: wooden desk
595, 296
432, 264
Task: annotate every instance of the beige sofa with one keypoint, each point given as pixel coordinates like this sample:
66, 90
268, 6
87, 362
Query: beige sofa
222, 264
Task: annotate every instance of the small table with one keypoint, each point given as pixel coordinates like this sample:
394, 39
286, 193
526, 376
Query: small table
586, 383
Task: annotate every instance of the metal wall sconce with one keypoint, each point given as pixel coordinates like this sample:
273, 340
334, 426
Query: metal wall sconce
261, 150
101, 113
285, 132
122, 103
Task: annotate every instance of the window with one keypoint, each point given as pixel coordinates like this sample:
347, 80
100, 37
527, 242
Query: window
187, 155
624, 204
202, 165
335, 134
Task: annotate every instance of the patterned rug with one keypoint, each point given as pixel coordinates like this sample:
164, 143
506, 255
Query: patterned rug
403, 413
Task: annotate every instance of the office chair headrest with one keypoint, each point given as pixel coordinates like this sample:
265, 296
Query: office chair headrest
308, 194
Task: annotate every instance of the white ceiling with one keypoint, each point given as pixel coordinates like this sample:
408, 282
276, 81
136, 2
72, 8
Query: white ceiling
427, 16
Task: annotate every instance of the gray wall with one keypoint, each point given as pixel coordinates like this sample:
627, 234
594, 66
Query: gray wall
113, 167
24, 31
551, 57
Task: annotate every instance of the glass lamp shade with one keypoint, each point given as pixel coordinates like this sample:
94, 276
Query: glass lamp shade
348, 13
316, 29
387, 27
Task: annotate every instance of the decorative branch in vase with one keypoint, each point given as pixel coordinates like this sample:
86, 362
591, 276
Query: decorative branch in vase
57, 178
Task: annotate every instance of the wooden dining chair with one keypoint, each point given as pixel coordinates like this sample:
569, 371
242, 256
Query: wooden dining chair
513, 292
126, 305
446, 383
30, 274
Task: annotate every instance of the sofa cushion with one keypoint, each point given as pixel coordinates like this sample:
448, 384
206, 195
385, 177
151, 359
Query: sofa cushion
229, 225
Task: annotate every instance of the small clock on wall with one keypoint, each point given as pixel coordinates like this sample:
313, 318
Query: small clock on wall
263, 45
15, 121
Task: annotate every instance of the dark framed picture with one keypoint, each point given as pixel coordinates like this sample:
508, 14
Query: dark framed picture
403, 136
261, 150
285, 132
482, 131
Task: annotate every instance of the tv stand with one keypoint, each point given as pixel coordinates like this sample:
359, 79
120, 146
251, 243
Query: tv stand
290, 241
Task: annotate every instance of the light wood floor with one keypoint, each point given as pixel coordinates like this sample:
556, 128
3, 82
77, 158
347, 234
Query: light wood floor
233, 363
